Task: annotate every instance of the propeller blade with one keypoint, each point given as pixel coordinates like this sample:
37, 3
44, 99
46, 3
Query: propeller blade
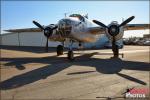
99, 23
127, 21
38, 25
46, 48
54, 27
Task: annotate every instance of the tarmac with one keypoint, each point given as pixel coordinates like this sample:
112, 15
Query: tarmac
30, 73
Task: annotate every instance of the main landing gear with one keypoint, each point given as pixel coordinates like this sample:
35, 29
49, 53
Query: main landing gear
115, 48
70, 55
60, 50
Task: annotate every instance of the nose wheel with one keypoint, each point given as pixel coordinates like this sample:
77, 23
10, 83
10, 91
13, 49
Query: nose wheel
60, 50
70, 52
70, 55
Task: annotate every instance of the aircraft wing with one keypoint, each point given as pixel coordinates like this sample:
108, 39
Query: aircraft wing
25, 30
100, 30
137, 26
96, 30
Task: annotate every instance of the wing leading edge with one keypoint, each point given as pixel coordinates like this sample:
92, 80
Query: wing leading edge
92, 30
137, 26
25, 30
100, 30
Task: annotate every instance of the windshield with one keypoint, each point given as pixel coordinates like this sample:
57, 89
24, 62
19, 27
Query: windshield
81, 18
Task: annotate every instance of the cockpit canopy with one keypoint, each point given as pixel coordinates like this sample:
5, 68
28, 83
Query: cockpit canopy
75, 15
80, 17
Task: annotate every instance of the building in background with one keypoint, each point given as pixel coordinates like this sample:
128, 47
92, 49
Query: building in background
146, 36
37, 39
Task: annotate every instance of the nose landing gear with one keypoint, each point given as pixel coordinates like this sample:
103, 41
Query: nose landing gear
70, 52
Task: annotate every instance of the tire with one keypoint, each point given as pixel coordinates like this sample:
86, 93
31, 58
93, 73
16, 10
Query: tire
70, 55
60, 50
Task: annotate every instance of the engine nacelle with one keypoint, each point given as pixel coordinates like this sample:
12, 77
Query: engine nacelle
48, 30
111, 31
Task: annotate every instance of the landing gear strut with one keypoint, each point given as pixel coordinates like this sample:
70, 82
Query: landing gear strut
70, 55
70, 52
60, 49
116, 51
115, 48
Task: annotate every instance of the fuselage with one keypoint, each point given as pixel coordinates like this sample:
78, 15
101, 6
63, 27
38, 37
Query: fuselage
75, 27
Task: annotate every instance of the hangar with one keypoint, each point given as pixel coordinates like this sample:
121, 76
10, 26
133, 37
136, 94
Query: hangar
37, 39
25, 39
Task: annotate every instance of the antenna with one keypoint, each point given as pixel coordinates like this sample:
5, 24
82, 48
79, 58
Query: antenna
65, 15
86, 15
122, 19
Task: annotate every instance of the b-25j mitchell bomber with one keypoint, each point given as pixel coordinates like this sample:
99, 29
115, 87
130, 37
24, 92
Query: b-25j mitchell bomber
78, 28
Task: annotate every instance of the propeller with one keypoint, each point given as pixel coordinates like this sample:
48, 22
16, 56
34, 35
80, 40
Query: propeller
48, 31
127, 21
114, 30
38, 25
99, 23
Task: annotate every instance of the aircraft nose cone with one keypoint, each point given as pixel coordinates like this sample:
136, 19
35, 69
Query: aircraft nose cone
64, 23
64, 26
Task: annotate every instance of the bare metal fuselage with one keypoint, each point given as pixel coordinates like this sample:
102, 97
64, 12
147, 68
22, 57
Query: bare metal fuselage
79, 30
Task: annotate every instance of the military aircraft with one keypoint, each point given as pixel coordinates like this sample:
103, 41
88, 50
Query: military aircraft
78, 28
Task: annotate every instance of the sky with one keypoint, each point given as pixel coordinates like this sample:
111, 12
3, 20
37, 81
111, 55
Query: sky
20, 14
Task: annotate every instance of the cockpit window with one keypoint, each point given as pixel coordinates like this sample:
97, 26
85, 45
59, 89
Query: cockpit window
81, 18
68, 22
75, 15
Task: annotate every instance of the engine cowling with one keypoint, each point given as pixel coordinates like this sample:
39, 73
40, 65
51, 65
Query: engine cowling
48, 32
114, 30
